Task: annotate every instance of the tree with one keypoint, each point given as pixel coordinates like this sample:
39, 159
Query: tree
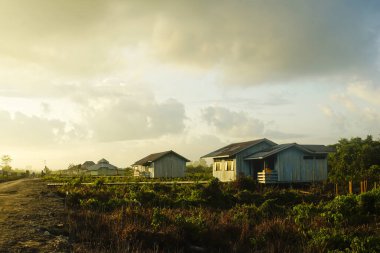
5, 163
46, 171
353, 161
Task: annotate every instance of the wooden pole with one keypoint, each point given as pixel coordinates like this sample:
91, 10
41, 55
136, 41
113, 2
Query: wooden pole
350, 187
361, 186
336, 189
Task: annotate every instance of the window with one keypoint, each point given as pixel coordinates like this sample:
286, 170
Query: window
230, 165
217, 166
310, 157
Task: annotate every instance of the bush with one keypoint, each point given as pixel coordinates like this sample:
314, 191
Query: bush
303, 215
270, 209
370, 202
342, 209
248, 197
329, 240
214, 195
369, 244
245, 183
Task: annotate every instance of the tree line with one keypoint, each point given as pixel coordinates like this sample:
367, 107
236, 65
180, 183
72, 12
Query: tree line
355, 161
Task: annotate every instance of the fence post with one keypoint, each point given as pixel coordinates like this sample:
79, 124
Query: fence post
350, 187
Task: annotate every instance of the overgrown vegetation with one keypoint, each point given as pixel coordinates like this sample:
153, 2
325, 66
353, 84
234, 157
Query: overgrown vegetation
355, 161
198, 170
7, 173
216, 217
241, 216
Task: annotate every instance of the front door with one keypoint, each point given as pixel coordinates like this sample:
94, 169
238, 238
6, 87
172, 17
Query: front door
256, 166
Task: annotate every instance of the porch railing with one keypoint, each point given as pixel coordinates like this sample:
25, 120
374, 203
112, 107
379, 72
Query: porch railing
266, 177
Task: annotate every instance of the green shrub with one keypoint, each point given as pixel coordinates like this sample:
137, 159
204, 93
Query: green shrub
99, 182
329, 240
284, 197
303, 215
370, 244
342, 209
248, 197
158, 219
270, 209
245, 183
370, 202
214, 195
147, 198
246, 214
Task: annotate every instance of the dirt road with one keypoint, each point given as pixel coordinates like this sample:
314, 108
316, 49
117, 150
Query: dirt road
32, 219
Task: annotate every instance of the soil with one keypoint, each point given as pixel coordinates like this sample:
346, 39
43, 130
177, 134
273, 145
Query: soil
32, 218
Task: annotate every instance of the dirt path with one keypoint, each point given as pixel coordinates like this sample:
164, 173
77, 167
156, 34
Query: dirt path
32, 219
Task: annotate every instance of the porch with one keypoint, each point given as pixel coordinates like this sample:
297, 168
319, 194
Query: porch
263, 169
267, 177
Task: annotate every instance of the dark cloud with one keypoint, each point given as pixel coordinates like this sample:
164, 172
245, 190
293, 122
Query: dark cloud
250, 42
270, 41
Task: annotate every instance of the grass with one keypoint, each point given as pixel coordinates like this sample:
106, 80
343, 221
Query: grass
234, 217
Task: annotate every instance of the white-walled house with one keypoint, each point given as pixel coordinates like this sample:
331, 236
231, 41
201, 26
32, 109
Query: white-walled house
163, 164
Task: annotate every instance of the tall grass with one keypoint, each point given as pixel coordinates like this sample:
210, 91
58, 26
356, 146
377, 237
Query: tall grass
237, 217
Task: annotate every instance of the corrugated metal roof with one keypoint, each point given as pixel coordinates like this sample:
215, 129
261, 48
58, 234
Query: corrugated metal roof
102, 166
269, 151
312, 149
236, 148
88, 164
154, 157
103, 161
319, 148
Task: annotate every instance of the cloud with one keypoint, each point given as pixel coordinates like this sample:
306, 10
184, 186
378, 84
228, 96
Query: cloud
23, 130
255, 42
355, 110
234, 124
128, 119
119, 113
106, 112
249, 42
338, 119
366, 91
239, 125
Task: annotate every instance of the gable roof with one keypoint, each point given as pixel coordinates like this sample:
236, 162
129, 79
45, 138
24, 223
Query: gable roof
156, 156
103, 161
236, 148
103, 166
88, 164
319, 148
311, 149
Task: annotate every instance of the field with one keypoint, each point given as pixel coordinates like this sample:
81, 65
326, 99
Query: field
218, 217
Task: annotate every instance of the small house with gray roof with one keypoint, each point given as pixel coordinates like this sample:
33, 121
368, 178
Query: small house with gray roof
102, 168
268, 162
163, 164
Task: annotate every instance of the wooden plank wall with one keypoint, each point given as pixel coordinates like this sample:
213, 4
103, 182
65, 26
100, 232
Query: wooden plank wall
169, 166
292, 167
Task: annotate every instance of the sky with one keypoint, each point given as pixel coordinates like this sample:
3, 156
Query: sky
89, 79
